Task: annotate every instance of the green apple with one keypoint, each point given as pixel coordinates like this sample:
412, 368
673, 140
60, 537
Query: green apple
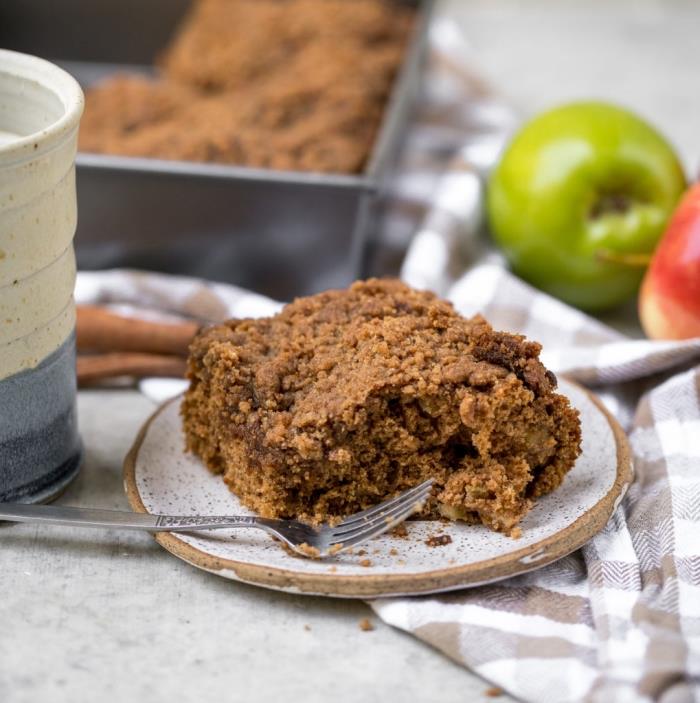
581, 195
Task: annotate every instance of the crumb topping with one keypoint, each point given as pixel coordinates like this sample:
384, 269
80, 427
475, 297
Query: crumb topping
348, 397
261, 83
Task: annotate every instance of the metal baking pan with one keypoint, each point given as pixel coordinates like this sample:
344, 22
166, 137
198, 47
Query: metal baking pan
280, 233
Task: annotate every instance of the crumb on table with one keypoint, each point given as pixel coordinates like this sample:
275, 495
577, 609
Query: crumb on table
366, 625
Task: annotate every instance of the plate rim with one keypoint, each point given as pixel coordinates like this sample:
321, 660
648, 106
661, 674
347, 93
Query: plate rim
546, 550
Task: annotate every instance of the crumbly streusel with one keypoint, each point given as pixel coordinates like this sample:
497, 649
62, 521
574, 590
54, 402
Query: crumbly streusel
347, 397
283, 84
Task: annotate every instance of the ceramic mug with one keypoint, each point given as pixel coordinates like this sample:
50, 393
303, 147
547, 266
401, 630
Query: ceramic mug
40, 108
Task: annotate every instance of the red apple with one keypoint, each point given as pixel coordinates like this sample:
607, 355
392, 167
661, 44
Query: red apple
669, 301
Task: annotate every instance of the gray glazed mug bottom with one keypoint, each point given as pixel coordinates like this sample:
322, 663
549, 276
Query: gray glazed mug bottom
40, 448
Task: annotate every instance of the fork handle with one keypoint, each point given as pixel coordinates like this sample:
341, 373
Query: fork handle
126, 520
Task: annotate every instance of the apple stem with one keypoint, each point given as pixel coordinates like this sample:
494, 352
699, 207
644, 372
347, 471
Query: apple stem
615, 257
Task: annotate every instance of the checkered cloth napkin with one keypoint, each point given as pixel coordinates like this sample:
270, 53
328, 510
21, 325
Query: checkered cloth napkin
619, 620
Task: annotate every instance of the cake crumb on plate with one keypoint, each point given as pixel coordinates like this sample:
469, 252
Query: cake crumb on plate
438, 540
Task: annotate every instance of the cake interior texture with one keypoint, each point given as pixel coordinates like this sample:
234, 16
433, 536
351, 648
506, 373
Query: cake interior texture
347, 397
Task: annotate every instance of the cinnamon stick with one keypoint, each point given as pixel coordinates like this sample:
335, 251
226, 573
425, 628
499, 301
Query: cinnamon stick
92, 368
99, 330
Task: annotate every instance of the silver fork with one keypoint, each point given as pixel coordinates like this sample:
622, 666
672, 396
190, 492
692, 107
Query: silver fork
306, 540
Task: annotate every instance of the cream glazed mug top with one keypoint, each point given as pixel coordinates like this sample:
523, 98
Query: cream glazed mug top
40, 109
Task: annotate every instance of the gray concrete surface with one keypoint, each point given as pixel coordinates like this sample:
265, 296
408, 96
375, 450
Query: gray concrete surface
109, 616
639, 53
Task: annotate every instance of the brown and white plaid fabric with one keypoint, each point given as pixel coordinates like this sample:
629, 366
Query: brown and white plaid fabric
620, 619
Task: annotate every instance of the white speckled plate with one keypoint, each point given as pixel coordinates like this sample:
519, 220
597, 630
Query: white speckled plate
161, 478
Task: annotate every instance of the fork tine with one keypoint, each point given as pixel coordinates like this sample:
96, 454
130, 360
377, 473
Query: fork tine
377, 526
364, 515
382, 519
379, 529
386, 510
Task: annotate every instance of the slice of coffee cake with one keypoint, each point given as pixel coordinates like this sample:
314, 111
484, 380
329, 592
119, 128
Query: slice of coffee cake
346, 397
